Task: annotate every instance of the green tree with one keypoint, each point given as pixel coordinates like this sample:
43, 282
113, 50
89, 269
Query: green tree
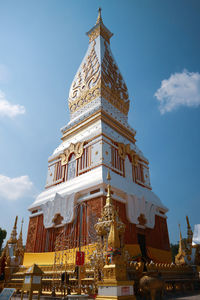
174, 250
3, 234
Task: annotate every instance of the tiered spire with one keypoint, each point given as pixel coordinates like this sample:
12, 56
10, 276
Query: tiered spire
20, 239
181, 247
98, 76
110, 224
99, 29
13, 236
189, 232
99, 18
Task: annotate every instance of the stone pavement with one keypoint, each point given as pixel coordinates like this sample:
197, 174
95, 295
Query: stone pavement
188, 295
175, 296
184, 296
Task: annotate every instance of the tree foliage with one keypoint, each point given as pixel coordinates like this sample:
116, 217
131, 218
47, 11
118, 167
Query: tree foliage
174, 250
3, 234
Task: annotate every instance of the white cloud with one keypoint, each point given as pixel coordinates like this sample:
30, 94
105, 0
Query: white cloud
9, 110
180, 89
15, 188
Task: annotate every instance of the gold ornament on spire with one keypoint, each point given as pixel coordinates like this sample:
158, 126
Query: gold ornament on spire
13, 236
188, 223
99, 75
99, 18
108, 198
189, 231
181, 240
110, 230
109, 215
20, 239
113, 237
99, 29
189, 240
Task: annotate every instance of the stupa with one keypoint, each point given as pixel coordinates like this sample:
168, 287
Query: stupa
98, 138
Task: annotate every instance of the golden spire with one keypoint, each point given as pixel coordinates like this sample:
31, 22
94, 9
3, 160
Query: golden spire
188, 223
99, 29
99, 18
20, 239
13, 236
108, 198
181, 246
189, 233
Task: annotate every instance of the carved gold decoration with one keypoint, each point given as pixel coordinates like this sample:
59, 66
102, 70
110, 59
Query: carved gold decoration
99, 18
113, 88
77, 149
12, 255
87, 86
57, 220
13, 236
142, 220
124, 150
113, 237
188, 249
111, 229
109, 213
99, 29
95, 81
180, 257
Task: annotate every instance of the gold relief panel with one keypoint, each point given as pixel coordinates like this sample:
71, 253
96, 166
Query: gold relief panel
85, 98
124, 150
113, 82
95, 81
77, 149
86, 86
100, 30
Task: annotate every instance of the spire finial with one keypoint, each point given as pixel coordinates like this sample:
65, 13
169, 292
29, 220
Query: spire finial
22, 225
189, 233
179, 229
180, 241
15, 226
108, 199
188, 223
99, 18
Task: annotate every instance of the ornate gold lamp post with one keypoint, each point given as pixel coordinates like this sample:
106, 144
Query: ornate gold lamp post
110, 230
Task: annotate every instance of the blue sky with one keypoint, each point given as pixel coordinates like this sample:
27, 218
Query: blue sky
156, 45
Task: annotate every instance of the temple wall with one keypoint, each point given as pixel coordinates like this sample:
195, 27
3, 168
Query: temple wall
40, 239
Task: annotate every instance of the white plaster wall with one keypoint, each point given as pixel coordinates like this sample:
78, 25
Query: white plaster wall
128, 169
106, 153
50, 174
96, 153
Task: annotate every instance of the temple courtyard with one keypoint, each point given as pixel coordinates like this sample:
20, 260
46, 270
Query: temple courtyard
178, 295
